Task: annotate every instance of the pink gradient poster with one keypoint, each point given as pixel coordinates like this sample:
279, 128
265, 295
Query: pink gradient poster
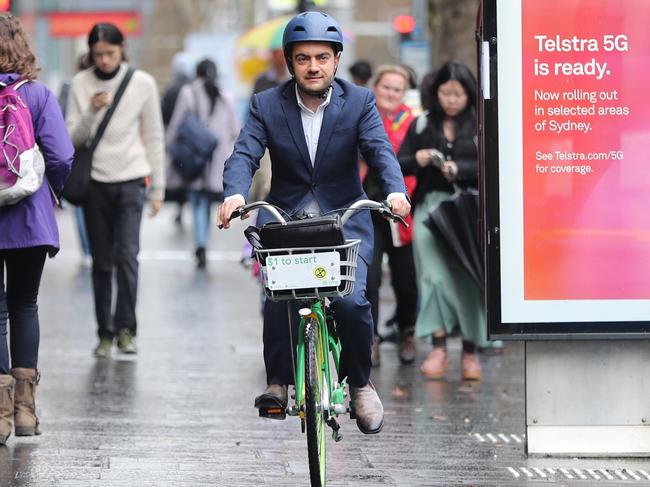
586, 149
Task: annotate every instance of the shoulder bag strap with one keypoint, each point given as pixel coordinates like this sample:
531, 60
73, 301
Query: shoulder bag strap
111, 110
195, 102
195, 97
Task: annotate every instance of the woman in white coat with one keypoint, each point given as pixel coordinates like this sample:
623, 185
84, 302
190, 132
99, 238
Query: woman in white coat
215, 108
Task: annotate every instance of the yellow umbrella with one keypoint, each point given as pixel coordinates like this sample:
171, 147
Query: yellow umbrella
267, 35
251, 67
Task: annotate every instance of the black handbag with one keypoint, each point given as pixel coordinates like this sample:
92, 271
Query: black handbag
78, 182
193, 146
323, 231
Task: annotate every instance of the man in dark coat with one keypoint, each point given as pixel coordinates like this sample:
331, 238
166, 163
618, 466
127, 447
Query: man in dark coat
314, 127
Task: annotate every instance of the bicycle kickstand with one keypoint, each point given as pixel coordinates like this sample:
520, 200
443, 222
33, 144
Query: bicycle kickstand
336, 435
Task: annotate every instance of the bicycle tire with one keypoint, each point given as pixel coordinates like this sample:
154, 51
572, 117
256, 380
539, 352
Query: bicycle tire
314, 417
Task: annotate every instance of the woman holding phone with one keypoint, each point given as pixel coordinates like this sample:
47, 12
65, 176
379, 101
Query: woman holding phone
127, 169
440, 150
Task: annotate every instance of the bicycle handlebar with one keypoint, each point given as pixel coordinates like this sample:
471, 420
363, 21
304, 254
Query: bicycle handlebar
383, 207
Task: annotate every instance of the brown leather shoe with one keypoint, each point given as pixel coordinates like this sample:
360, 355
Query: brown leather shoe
275, 395
367, 408
407, 349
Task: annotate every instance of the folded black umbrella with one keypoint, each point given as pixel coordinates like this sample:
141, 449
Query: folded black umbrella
455, 222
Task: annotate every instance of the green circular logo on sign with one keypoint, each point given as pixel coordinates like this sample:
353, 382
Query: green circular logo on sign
320, 272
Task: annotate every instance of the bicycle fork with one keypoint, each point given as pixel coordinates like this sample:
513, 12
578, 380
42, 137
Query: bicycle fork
333, 394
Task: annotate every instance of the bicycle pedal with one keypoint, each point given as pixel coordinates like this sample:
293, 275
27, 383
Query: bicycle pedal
272, 412
336, 434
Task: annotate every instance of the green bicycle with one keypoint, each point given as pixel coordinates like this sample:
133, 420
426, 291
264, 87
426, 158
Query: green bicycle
309, 261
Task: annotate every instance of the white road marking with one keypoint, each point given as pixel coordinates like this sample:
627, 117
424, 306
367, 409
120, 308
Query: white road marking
593, 473
620, 475
606, 474
566, 473
514, 472
528, 473
173, 255
540, 472
499, 437
632, 474
580, 474
182, 255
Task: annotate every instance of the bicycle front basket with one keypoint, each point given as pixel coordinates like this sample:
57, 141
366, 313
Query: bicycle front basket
308, 272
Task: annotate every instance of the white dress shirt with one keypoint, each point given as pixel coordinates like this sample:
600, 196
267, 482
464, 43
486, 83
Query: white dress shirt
311, 125
312, 122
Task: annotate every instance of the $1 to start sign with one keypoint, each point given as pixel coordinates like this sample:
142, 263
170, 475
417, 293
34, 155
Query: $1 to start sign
300, 271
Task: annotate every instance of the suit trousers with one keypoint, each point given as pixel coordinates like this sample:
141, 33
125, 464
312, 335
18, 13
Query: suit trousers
113, 214
18, 303
402, 276
354, 325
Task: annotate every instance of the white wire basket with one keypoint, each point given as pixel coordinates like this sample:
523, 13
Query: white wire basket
308, 272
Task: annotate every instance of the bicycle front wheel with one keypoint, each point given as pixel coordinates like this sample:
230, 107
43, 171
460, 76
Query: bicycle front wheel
314, 413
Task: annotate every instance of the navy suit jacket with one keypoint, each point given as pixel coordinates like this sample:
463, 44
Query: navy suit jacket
351, 125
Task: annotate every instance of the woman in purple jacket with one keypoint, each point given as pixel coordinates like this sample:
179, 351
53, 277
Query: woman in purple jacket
28, 233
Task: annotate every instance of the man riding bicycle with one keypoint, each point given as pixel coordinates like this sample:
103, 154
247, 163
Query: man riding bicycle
314, 127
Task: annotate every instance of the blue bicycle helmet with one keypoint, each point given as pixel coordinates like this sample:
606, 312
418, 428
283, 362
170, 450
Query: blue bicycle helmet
309, 27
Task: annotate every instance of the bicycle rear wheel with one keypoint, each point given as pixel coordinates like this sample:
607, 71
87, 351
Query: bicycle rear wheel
314, 414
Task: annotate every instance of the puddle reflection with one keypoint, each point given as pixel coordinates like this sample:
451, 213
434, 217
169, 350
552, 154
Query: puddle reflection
17, 463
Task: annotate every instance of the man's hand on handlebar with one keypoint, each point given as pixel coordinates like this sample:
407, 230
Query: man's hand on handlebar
400, 205
227, 208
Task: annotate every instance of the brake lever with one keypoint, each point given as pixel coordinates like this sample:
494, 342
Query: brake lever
235, 214
399, 219
387, 211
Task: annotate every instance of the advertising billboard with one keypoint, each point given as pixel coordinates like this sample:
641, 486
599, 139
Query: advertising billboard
79, 23
566, 166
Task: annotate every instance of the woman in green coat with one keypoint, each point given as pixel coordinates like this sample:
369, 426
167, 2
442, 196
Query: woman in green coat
440, 150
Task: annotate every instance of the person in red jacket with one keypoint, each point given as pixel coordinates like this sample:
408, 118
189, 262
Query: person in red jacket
390, 85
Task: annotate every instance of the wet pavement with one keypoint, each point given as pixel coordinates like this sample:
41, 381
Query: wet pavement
180, 413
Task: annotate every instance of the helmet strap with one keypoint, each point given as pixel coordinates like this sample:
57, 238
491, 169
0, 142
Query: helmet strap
321, 94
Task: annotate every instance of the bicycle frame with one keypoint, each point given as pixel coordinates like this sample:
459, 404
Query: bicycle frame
335, 392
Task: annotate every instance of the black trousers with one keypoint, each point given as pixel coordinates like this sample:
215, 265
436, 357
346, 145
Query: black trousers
18, 306
353, 323
402, 272
113, 215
